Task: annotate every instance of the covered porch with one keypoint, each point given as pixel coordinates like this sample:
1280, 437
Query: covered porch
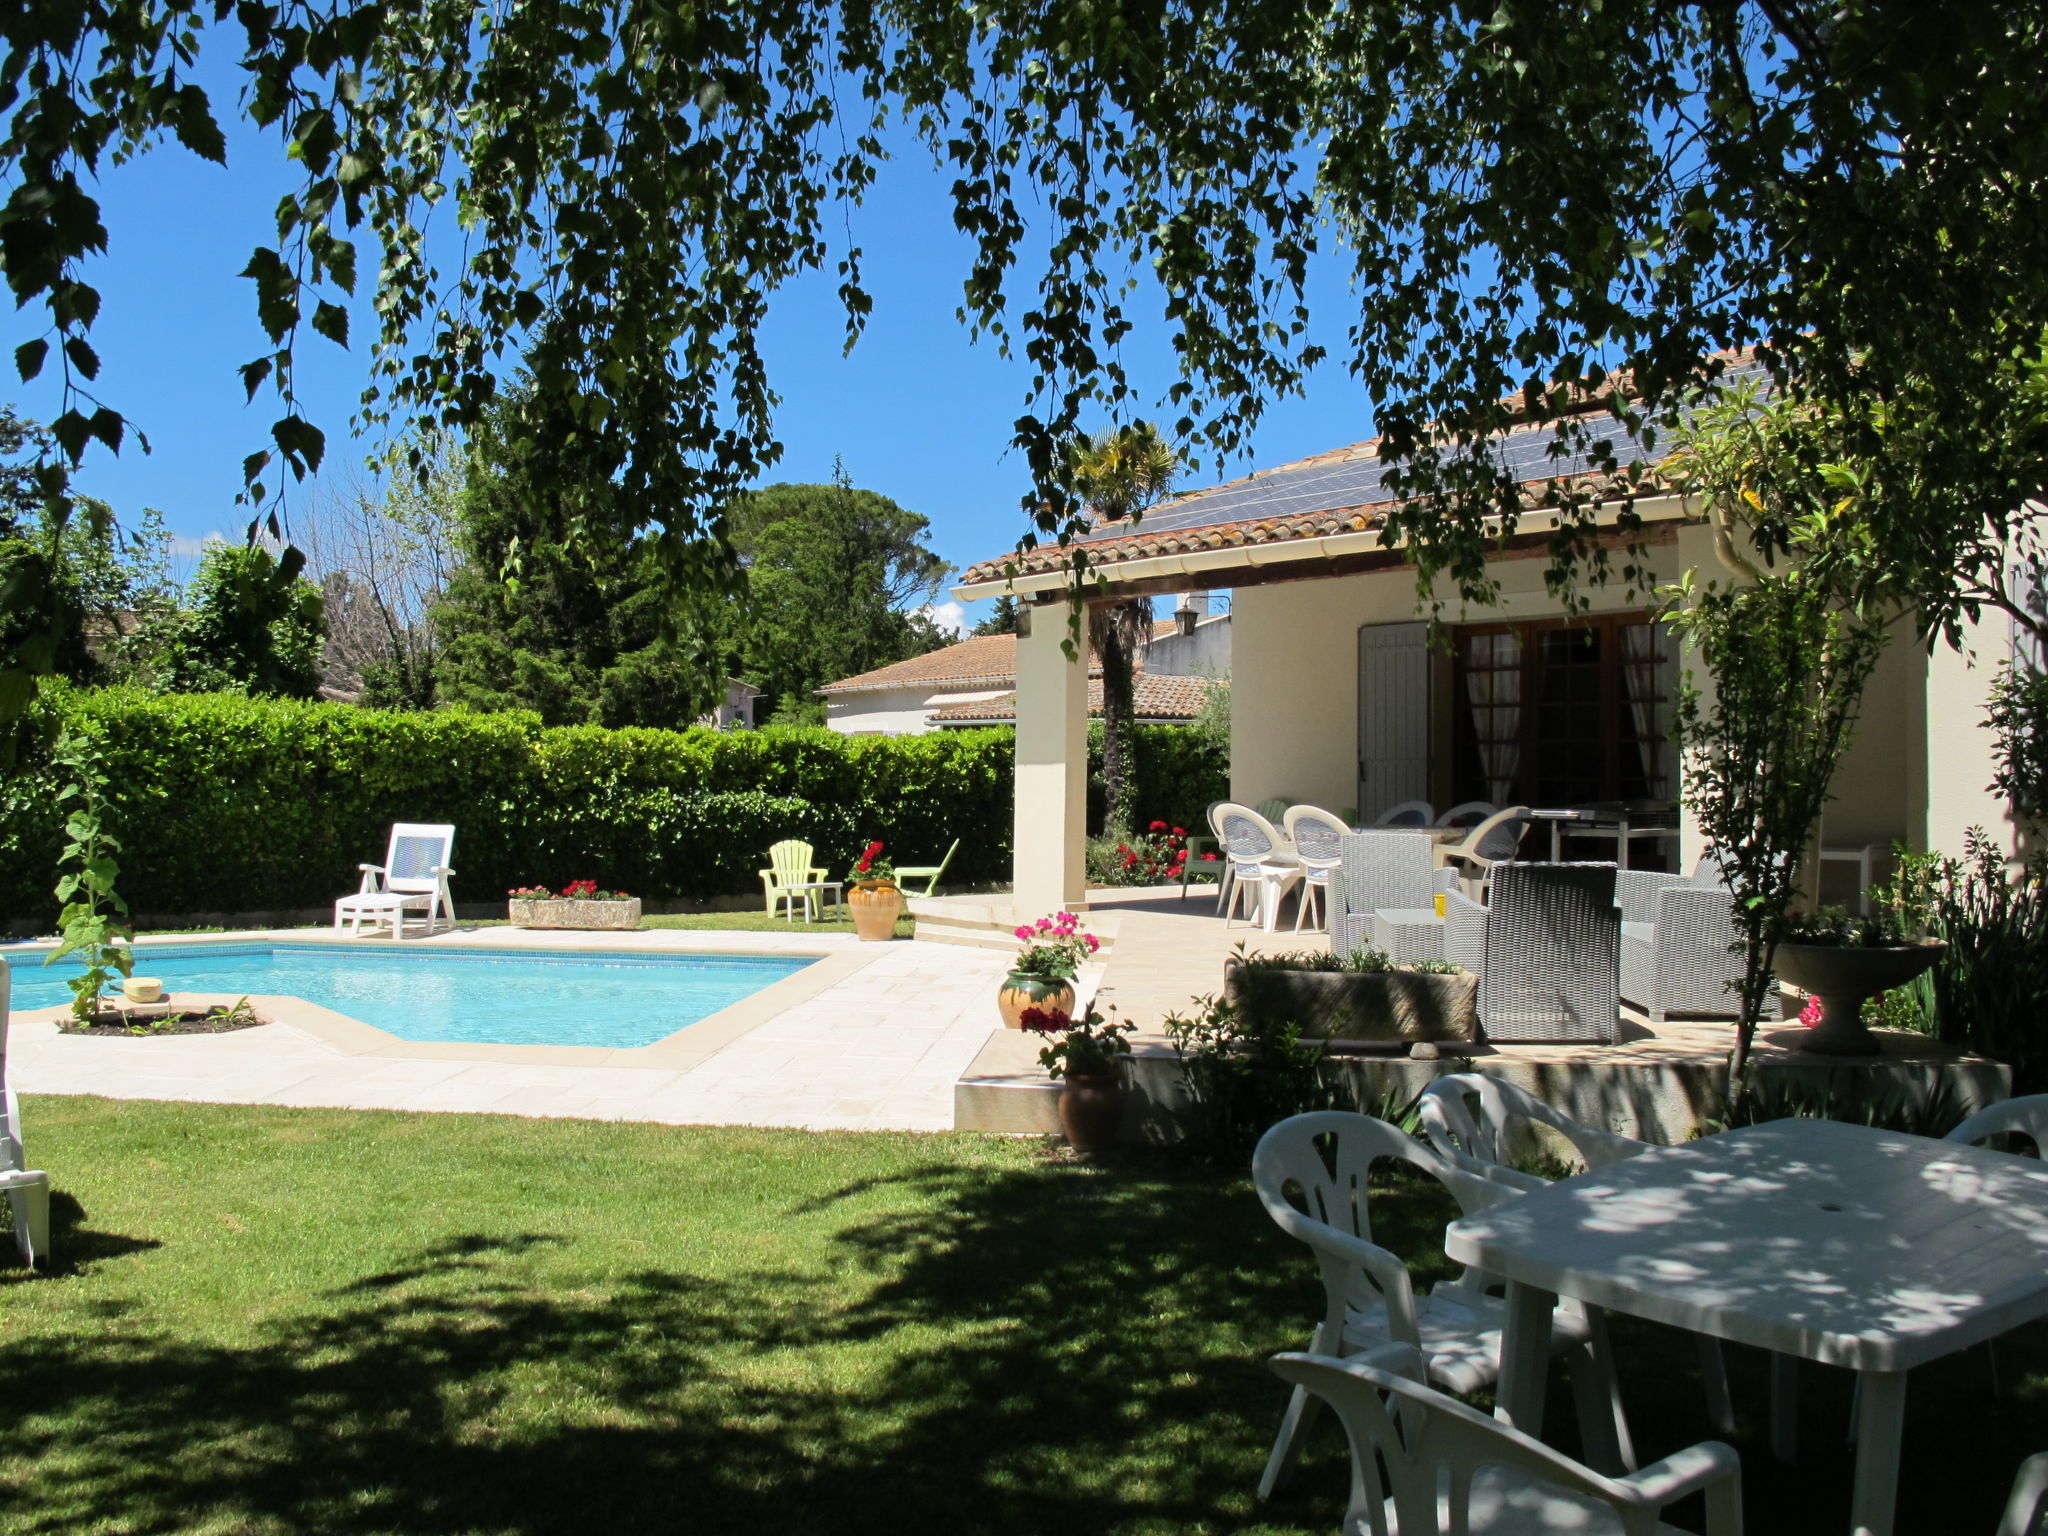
1342, 699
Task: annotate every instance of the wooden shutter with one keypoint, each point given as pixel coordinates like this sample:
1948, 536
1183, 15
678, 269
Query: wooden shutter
1393, 716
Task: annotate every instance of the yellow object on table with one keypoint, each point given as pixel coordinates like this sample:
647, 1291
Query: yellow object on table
1439, 903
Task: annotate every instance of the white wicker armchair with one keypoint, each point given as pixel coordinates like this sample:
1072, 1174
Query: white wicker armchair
1680, 948
1547, 950
1382, 870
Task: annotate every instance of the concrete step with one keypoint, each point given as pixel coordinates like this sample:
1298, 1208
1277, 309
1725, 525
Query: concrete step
986, 922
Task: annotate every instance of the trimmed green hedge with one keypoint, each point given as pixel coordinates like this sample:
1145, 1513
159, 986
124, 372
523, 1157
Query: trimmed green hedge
224, 803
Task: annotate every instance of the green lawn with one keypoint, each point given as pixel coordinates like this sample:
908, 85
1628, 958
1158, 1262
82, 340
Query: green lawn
278, 1320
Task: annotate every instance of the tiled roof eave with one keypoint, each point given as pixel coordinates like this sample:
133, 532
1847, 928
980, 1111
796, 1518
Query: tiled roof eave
1252, 533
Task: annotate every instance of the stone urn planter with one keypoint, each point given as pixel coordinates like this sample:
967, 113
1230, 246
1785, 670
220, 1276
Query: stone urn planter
875, 906
576, 914
1843, 976
1021, 991
1384, 1008
1091, 1109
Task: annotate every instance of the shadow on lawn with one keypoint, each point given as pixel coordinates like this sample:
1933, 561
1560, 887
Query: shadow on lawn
1034, 1350
1051, 1349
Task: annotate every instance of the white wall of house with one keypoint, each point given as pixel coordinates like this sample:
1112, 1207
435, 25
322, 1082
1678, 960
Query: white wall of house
897, 711
1203, 653
1916, 770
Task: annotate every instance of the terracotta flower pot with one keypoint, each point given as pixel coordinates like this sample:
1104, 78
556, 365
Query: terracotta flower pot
875, 905
1091, 1109
1021, 991
1842, 976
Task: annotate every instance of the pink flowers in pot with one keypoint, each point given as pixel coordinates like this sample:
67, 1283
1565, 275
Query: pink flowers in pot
1054, 948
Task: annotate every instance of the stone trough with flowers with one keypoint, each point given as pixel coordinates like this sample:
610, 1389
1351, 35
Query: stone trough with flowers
580, 905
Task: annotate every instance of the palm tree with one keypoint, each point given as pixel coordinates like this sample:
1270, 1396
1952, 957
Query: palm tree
1119, 474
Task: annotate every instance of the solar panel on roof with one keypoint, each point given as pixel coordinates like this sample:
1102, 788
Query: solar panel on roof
1305, 489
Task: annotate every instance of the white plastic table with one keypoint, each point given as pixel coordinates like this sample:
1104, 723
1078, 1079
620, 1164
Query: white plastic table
807, 889
1832, 1242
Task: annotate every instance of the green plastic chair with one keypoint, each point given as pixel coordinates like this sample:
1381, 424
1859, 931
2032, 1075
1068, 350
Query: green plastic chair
790, 867
929, 873
1275, 810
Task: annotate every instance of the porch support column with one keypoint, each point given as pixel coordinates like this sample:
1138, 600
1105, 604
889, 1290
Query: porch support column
1048, 843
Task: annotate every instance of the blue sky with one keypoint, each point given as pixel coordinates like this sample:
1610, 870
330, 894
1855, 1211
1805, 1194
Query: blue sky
919, 413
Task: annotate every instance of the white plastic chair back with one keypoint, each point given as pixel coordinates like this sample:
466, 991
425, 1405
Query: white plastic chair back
1409, 813
1247, 836
1425, 1464
2025, 1116
1468, 813
1479, 1142
1318, 836
417, 850
1298, 1180
2028, 1501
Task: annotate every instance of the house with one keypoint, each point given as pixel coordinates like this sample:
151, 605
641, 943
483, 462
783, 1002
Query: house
1155, 700
971, 683
1339, 699
737, 712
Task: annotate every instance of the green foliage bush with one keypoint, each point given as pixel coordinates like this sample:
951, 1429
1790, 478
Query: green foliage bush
1179, 773
228, 803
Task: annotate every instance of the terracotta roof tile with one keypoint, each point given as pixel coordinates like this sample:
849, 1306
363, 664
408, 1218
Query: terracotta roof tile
1156, 698
987, 659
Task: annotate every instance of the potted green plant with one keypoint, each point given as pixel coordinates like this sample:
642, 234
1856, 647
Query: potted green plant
1363, 998
1841, 962
872, 895
1042, 976
1087, 1060
580, 905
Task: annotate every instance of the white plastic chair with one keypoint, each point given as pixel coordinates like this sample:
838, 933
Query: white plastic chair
1369, 1298
1409, 813
2026, 1116
1318, 838
1487, 844
414, 873
28, 1189
1478, 1144
2028, 1501
1468, 813
1424, 1464
1257, 851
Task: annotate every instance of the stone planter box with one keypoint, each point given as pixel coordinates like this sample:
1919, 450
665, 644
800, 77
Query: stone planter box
1387, 1009
576, 914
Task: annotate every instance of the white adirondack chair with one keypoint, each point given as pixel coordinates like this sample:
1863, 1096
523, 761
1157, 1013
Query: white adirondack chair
1425, 1464
414, 875
28, 1189
1319, 1197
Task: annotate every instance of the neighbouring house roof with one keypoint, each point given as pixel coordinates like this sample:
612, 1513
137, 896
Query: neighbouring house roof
1160, 699
1341, 491
979, 661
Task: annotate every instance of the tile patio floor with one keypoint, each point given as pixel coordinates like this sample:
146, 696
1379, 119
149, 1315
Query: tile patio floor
878, 1048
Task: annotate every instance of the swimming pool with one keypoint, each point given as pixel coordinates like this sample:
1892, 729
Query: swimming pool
500, 997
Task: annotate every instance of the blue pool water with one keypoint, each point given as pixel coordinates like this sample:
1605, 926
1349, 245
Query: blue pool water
534, 997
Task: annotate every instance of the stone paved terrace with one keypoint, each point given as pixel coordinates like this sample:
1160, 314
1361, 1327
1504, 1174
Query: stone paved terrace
1656, 1081
872, 1037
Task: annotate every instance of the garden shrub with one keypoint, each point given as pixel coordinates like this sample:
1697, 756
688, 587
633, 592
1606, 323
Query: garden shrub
1178, 774
228, 803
